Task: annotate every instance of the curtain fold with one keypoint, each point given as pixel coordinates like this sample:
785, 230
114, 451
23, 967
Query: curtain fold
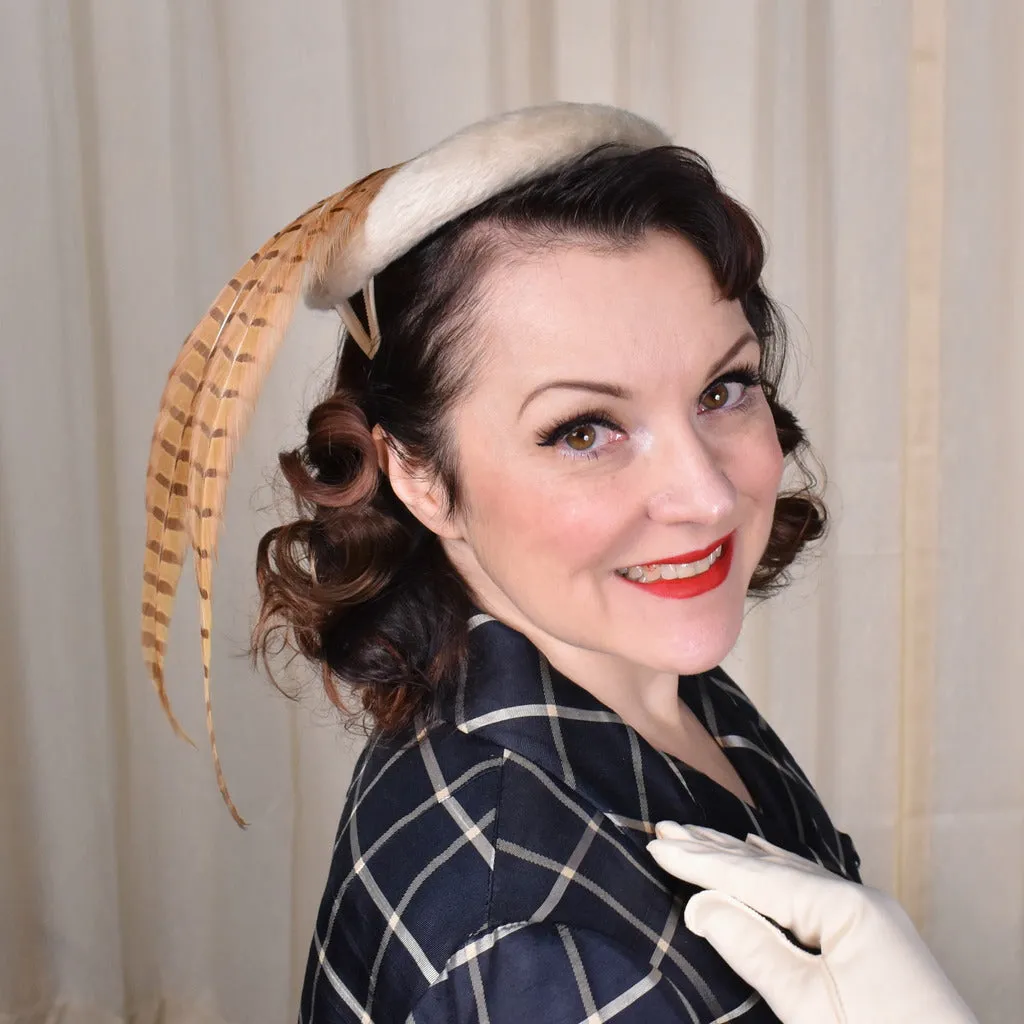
151, 147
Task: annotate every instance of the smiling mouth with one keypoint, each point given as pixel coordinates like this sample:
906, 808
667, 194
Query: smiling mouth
654, 571
680, 567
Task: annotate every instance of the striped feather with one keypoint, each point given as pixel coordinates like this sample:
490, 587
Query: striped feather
205, 409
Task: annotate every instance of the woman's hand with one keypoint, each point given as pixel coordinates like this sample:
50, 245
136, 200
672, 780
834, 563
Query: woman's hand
873, 967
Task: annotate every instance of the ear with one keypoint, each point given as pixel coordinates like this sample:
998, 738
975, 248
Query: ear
418, 490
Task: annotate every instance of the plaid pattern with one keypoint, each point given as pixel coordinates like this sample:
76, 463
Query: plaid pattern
493, 867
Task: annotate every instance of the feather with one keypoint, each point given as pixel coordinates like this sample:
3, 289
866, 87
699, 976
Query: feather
166, 510
205, 409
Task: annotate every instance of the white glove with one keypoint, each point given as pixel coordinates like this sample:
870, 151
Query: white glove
873, 967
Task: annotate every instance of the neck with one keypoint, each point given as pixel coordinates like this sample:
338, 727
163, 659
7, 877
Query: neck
641, 696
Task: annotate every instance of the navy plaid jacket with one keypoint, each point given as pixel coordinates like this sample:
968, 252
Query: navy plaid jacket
493, 867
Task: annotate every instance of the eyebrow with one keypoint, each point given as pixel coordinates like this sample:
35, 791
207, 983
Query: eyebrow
597, 386
734, 350
617, 391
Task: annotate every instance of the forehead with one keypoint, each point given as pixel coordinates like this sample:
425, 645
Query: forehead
645, 310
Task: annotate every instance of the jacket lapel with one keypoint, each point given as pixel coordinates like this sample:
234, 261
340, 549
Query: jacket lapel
512, 697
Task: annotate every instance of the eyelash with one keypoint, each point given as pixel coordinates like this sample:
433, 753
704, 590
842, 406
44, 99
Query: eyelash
748, 376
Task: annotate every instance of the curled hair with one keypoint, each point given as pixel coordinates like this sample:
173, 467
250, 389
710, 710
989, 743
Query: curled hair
356, 583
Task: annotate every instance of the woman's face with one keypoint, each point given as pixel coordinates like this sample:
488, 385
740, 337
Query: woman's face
615, 424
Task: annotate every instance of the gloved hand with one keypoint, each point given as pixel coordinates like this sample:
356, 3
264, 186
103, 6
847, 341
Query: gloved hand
873, 967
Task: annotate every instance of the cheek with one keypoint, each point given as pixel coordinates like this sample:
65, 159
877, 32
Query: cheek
519, 519
756, 462
770, 476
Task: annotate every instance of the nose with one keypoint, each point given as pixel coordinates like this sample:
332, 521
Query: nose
689, 482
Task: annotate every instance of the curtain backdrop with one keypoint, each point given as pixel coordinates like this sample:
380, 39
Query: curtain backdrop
149, 147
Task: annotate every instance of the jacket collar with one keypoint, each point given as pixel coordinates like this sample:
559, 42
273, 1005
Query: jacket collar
512, 696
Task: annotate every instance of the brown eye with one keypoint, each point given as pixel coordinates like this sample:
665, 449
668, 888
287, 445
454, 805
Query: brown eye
581, 438
716, 396
588, 434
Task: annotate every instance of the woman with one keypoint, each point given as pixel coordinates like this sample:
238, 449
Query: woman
530, 514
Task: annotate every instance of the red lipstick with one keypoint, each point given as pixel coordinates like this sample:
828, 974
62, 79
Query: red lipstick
693, 586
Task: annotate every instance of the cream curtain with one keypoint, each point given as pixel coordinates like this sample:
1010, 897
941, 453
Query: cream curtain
150, 146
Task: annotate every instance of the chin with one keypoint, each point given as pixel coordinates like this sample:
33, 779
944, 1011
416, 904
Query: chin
693, 647
697, 659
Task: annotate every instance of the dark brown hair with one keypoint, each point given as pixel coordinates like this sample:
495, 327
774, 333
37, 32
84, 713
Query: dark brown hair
355, 582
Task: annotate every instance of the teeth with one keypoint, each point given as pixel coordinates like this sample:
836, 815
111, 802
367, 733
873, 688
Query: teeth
670, 570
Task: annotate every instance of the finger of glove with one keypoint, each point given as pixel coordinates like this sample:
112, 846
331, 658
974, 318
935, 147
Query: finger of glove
762, 844
788, 857
794, 983
753, 847
809, 906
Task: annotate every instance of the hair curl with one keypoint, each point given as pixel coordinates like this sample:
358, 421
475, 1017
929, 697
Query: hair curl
355, 582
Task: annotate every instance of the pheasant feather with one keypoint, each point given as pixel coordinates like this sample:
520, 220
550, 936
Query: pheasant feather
205, 409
